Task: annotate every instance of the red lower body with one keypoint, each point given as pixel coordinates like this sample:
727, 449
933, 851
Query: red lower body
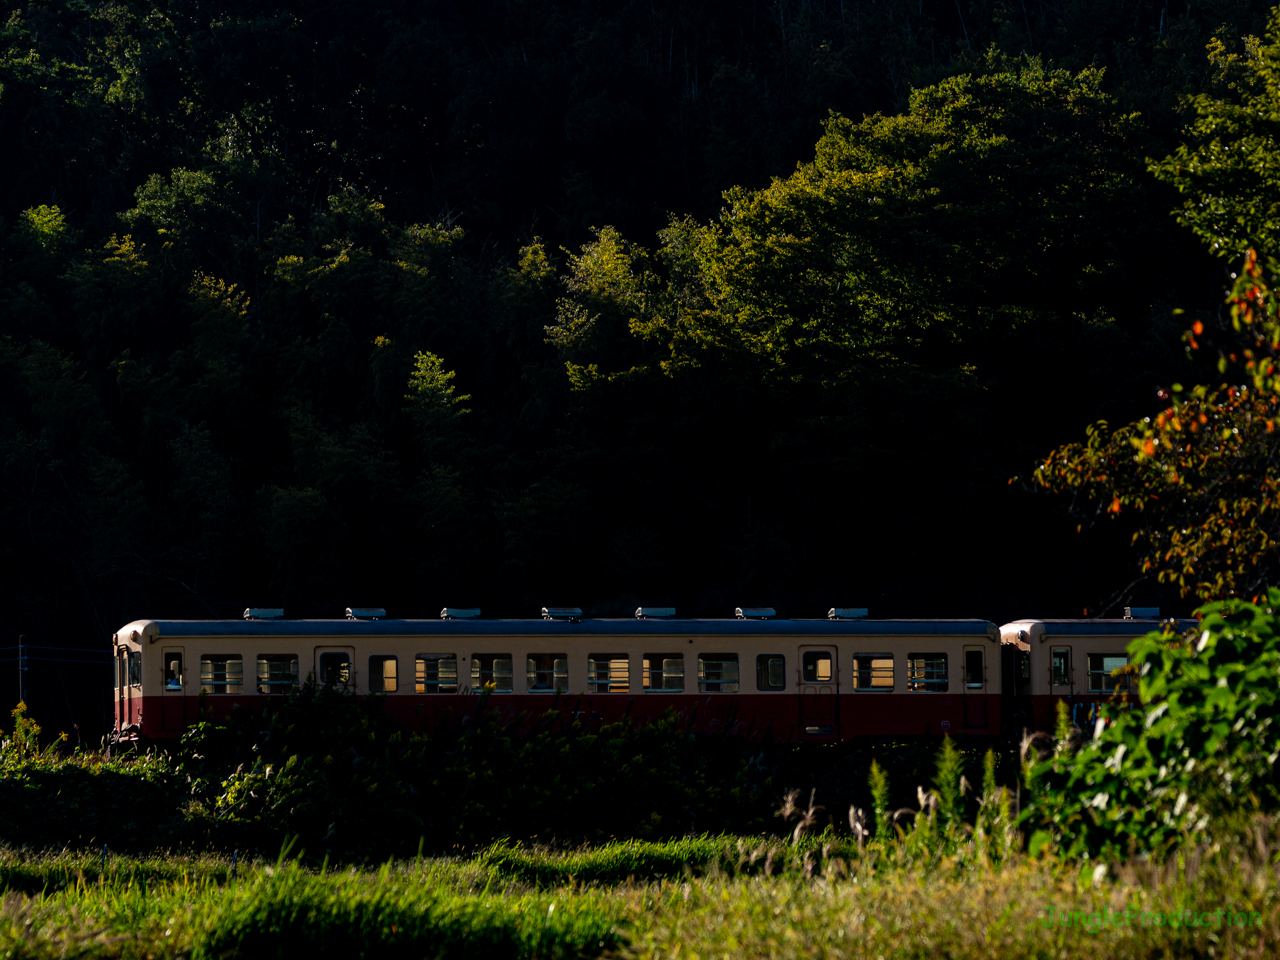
1040, 713
762, 717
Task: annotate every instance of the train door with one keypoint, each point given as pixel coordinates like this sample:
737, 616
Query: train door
819, 685
173, 696
336, 667
975, 687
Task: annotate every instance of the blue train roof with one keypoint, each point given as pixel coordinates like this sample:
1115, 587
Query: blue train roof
585, 627
1111, 628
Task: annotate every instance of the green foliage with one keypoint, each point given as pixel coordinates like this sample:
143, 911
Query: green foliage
879, 781
907, 237
797, 907
277, 913
1228, 170
948, 781
1201, 747
430, 389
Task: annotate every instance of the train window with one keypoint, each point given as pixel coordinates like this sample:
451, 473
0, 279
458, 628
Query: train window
1024, 666
221, 673
115, 673
382, 674
927, 672
491, 668
663, 671
277, 672
873, 672
608, 673
1100, 667
718, 673
771, 672
548, 672
335, 669
974, 672
173, 671
817, 666
1060, 667
436, 673
135, 668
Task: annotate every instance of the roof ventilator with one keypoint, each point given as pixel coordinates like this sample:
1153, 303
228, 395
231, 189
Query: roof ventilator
264, 613
754, 613
460, 613
365, 613
1142, 613
648, 613
562, 613
847, 613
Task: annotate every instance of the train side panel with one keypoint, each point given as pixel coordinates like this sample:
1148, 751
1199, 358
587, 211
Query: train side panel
825, 685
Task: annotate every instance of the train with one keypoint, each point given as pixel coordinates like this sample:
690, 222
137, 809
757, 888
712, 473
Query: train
821, 680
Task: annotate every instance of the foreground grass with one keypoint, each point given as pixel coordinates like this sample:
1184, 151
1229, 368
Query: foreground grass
699, 897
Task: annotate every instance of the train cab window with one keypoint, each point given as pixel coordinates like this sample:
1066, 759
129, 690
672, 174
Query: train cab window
173, 671
873, 672
383, 677
974, 671
927, 672
663, 672
335, 669
135, 668
817, 666
221, 673
1024, 666
718, 673
1060, 667
115, 673
436, 673
1100, 667
548, 672
277, 672
771, 672
491, 668
608, 673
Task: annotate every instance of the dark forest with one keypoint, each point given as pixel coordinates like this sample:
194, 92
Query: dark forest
596, 303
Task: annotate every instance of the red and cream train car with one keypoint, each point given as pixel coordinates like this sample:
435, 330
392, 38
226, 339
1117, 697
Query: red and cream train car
791, 680
1046, 661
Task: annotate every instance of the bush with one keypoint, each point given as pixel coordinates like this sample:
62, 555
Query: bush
1199, 751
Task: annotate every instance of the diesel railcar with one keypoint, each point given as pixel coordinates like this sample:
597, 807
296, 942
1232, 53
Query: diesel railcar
818, 681
1073, 661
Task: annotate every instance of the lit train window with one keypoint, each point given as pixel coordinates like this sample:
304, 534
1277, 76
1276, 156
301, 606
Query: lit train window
927, 672
663, 671
817, 667
1060, 667
718, 673
873, 672
221, 673
548, 672
1100, 667
335, 669
277, 672
491, 668
608, 673
436, 673
382, 674
771, 672
173, 671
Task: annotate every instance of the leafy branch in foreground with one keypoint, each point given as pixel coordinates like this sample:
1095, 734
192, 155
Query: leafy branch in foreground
1200, 751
